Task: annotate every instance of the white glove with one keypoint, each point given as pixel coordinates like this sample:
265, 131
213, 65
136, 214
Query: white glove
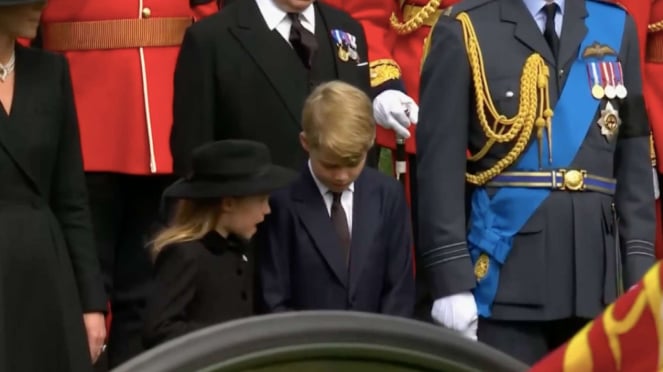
657, 190
457, 312
393, 109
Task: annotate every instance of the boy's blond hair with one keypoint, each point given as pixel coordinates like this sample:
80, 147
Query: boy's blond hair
338, 119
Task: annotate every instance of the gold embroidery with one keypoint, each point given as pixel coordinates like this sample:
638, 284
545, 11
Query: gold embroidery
383, 70
415, 20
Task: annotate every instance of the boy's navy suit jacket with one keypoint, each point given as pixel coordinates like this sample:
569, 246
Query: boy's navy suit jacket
301, 262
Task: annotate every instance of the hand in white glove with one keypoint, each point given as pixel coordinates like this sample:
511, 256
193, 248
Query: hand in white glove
457, 312
657, 190
393, 109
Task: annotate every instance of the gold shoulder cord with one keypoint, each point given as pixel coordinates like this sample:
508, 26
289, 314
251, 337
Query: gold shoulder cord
533, 111
403, 28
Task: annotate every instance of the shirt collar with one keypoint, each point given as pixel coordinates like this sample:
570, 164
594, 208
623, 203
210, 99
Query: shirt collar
274, 15
534, 6
324, 190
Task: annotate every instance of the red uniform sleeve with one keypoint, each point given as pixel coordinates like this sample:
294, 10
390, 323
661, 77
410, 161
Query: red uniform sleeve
374, 16
640, 10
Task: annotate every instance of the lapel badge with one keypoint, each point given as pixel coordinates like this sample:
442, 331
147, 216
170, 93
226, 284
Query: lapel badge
346, 45
609, 121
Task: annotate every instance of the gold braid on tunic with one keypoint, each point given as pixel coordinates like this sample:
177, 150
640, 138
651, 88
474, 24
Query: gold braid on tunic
534, 111
418, 20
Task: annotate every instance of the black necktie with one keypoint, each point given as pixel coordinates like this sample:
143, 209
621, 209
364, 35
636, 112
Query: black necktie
549, 33
340, 222
302, 40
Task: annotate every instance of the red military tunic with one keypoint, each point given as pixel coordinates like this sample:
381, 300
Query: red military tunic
627, 337
648, 16
396, 31
123, 94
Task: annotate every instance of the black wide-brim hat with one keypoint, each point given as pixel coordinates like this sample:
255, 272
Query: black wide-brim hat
231, 168
19, 2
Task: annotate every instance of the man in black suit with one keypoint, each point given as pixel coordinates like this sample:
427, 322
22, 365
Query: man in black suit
244, 73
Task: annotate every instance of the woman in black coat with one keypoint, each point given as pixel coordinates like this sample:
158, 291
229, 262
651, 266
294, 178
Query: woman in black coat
51, 290
204, 267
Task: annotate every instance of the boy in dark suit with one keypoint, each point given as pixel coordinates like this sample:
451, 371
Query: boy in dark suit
339, 237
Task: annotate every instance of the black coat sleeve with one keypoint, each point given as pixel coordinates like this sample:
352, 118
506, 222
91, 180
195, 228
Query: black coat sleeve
193, 101
174, 290
275, 240
69, 203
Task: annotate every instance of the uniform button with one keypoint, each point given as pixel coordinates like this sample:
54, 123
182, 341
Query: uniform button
244, 296
509, 94
561, 72
240, 272
147, 12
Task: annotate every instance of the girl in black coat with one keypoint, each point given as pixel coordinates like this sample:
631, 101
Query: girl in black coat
203, 267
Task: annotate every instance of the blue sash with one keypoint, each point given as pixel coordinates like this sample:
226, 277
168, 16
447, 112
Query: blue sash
495, 221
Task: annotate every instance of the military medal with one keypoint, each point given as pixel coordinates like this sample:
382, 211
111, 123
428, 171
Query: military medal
346, 45
621, 89
598, 92
343, 54
609, 121
609, 82
597, 89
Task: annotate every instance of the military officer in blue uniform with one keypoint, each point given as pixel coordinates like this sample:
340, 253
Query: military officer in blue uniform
551, 216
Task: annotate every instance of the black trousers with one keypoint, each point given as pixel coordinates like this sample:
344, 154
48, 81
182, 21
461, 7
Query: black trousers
528, 342
124, 212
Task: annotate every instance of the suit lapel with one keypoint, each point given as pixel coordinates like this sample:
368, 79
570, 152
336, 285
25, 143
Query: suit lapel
325, 23
315, 218
365, 219
273, 55
526, 30
14, 135
573, 31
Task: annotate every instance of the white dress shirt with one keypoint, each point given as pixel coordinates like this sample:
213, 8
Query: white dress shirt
275, 18
346, 198
535, 8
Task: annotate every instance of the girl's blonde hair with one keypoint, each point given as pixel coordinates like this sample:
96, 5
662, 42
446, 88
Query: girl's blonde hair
192, 220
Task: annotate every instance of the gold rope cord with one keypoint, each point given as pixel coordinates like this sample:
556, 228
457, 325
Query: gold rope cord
655, 27
403, 28
534, 110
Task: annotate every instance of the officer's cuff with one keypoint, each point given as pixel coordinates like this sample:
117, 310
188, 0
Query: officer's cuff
385, 75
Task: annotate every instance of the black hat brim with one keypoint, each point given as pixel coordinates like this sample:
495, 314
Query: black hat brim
271, 180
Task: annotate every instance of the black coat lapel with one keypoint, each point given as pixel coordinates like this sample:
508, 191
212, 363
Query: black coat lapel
273, 55
526, 30
573, 31
15, 129
315, 218
365, 219
325, 23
